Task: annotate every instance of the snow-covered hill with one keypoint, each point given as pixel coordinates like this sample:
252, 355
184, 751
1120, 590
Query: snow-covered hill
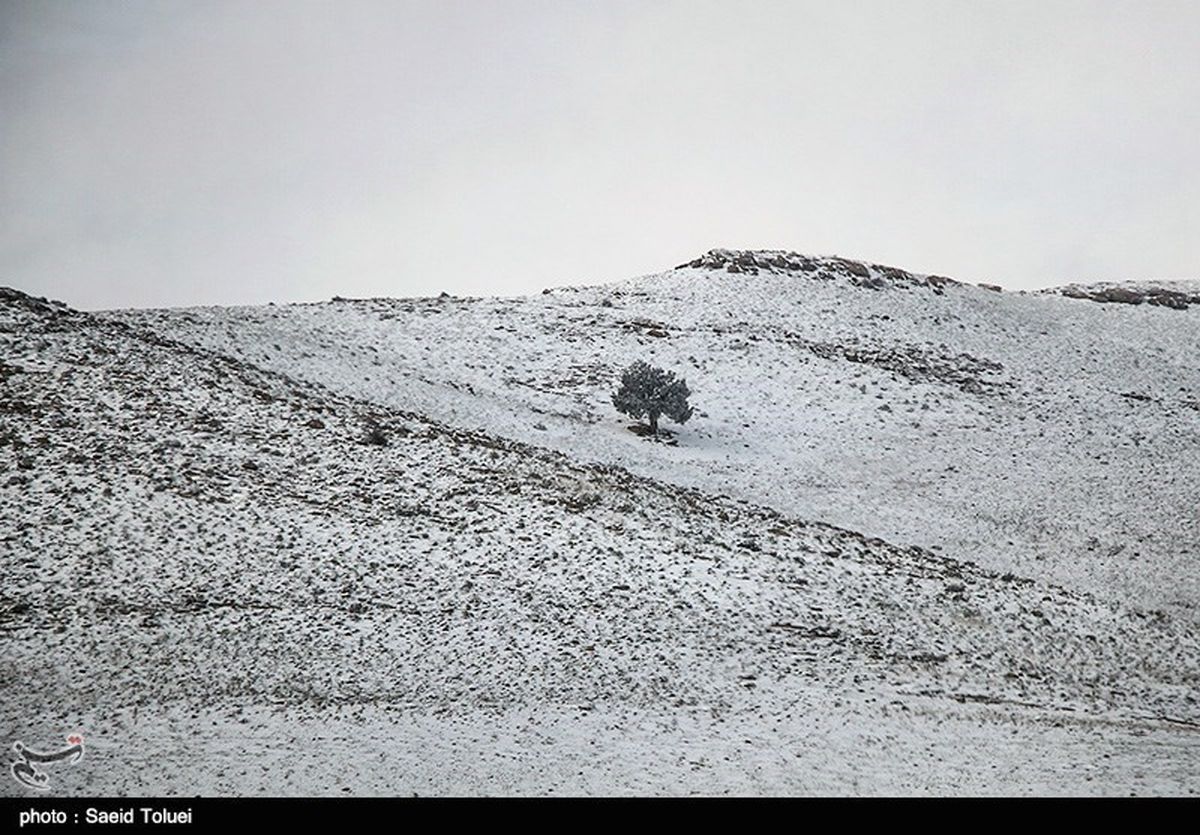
920, 537
1052, 437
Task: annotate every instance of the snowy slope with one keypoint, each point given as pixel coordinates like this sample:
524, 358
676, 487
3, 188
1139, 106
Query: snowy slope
210, 574
1049, 436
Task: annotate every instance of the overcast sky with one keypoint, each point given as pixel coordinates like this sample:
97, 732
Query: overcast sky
155, 152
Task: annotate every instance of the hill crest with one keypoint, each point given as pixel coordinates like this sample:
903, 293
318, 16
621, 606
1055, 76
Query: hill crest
824, 268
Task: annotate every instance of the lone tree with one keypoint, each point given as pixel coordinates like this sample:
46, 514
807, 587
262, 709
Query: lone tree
650, 391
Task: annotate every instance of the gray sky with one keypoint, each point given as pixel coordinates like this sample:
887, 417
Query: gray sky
168, 153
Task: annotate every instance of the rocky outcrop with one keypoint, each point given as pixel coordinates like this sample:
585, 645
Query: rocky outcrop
779, 262
1177, 298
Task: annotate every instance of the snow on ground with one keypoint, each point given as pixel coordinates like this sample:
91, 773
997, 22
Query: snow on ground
1179, 295
824, 745
1053, 437
212, 576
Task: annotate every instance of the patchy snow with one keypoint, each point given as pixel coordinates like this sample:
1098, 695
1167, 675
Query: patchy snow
1179, 295
988, 587
1047, 436
825, 743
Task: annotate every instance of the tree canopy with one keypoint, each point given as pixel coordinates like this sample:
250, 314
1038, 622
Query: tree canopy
651, 392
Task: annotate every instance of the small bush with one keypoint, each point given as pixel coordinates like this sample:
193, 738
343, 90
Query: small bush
374, 435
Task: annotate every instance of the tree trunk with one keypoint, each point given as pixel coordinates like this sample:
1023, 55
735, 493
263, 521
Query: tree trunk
653, 423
